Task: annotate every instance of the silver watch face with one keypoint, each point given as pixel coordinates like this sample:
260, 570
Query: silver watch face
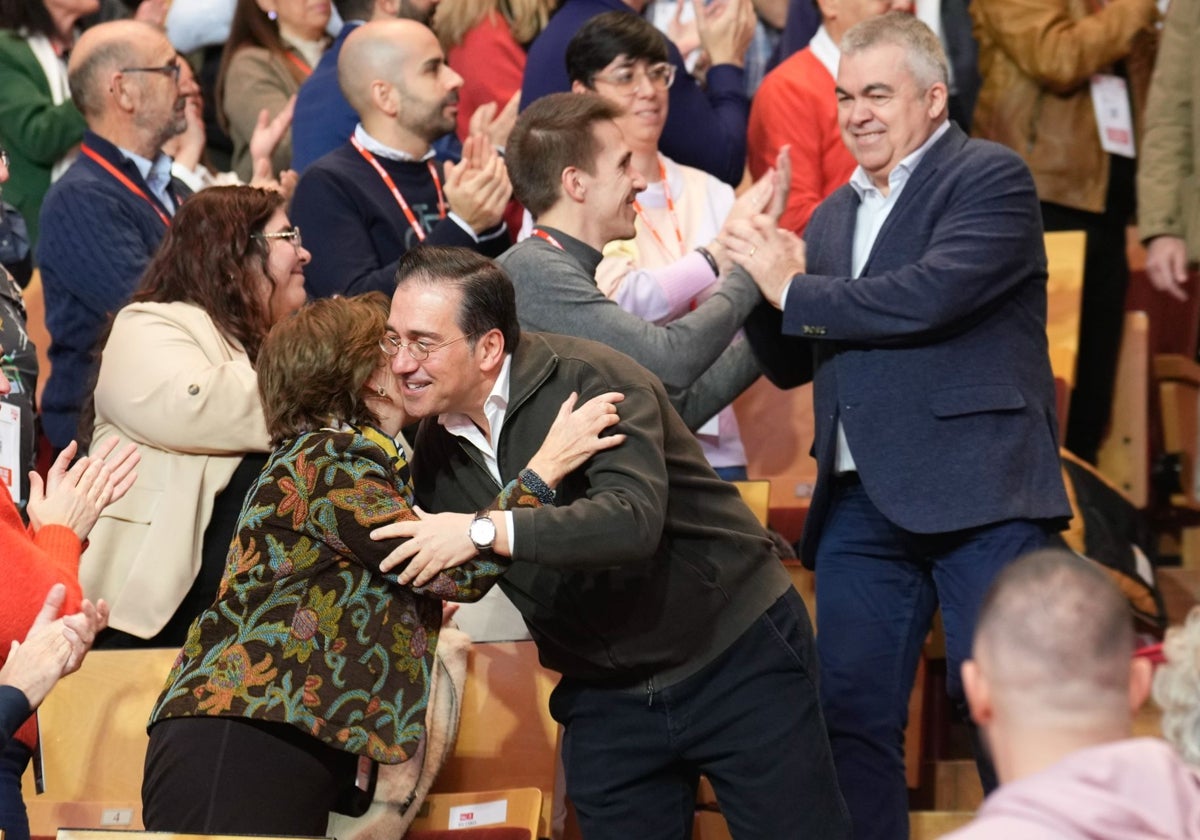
482, 531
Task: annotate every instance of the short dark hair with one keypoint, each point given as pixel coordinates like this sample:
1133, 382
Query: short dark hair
313, 367
599, 41
489, 301
553, 133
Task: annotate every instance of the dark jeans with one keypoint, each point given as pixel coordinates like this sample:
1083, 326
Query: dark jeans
877, 589
218, 775
14, 758
749, 721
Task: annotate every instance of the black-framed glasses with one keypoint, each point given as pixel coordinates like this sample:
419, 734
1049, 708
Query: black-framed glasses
172, 70
292, 234
391, 345
625, 79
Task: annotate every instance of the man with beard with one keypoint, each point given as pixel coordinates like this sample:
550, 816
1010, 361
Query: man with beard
366, 203
323, 118
105, 217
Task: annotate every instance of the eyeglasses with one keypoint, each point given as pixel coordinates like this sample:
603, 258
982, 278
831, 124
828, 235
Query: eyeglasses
625, 79
419, 350
292, 233
171, 70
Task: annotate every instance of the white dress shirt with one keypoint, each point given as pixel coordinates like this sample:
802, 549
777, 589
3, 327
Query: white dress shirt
495, 408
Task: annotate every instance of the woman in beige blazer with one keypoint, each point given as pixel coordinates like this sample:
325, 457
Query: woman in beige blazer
177, 377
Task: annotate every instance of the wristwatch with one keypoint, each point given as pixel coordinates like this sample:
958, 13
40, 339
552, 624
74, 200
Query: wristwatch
482, 532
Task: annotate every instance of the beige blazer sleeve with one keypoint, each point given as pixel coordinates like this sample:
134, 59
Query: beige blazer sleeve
170, 382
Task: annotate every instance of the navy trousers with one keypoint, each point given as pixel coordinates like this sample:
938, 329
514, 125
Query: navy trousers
877, 589
749, 721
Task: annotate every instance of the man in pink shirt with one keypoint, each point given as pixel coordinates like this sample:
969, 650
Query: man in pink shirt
1054, 687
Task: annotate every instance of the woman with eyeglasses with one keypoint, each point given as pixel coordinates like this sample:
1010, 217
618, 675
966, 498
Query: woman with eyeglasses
40, 126
676, 260
177, 375
317, 655
273, 47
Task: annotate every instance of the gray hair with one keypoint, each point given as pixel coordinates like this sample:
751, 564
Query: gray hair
923, 51
1177, 688
102, 50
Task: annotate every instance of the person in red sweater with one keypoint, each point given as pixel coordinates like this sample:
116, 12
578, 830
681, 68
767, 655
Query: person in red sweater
54, 647
37, 558
796, 106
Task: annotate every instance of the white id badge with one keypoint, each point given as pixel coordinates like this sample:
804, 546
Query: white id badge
1110, 98
10, 449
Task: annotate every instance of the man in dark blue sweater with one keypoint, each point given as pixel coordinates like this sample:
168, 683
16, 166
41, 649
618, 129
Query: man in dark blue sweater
363, 205
323, 118
706, 127
103, 220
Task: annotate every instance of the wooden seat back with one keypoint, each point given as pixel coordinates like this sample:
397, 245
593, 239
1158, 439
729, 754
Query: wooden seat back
93, 735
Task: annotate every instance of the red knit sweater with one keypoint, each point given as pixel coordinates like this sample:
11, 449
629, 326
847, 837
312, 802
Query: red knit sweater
33, 562
796, 104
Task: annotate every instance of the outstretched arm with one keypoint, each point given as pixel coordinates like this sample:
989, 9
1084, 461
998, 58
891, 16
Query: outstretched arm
440, 541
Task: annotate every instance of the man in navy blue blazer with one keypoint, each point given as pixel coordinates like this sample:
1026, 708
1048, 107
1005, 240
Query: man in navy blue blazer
918, 311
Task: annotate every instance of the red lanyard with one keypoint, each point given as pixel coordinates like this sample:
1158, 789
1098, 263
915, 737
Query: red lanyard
300, 63
129, 185
541, 234
391, 185
662, 172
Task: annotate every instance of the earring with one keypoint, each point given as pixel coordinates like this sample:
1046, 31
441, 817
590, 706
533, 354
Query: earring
380, 391
272, 14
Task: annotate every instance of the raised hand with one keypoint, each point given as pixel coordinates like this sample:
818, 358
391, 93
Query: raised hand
493, 122
478, 188
726, 29
75, 497
770, 255
268, 132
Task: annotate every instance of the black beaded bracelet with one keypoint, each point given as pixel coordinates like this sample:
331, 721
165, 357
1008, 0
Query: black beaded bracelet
710, 259
536, 486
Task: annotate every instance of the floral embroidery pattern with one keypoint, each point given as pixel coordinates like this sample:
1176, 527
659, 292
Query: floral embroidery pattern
305, 629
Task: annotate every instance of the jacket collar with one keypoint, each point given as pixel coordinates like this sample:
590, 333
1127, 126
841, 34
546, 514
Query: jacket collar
532, 364
946, 147
943, 150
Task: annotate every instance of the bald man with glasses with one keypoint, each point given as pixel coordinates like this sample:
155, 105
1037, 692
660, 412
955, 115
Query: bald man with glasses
105, 217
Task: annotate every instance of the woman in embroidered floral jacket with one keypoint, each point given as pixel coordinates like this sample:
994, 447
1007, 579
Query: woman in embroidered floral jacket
314, 654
